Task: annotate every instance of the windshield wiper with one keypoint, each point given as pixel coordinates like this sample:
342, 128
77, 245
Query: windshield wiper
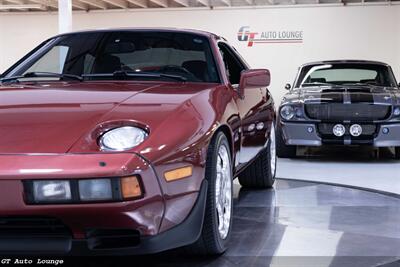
41, 75
125, 74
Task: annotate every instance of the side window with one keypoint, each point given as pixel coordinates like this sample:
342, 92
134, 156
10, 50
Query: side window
53, 61
233, 65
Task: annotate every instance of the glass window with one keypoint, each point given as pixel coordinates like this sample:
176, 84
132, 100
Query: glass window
140, 52
52, 61
346, 74
233, 66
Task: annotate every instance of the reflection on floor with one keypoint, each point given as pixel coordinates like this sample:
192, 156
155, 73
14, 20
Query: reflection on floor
305, 224
354, 166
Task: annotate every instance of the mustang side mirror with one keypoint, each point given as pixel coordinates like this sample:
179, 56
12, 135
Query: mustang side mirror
254, 78
288, 86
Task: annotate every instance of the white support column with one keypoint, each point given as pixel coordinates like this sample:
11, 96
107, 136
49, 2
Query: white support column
64, 16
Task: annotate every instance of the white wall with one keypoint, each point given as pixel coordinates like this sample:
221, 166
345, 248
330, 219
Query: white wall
352, 32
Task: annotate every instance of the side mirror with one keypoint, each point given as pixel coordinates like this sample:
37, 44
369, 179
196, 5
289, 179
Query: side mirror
288, 86
254, 78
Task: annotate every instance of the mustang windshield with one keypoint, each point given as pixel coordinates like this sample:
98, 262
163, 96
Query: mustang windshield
346, 74
123, 55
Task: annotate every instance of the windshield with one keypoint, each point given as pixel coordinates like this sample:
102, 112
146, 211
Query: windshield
346, 74
143, 55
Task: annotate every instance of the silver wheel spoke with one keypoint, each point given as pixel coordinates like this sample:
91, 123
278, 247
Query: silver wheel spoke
223, 194
272, 150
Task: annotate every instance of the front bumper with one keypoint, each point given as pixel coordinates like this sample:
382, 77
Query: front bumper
306, 134
128, 227
121, 243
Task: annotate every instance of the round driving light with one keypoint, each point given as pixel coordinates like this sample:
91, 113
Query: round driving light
287, 112
260, 126
396, 111
310, 129
355, 130
299, 113
385, 130
339, 130
251, 127
123, 138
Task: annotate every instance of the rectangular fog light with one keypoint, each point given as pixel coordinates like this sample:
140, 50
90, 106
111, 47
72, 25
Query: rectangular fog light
51, 191
95, 189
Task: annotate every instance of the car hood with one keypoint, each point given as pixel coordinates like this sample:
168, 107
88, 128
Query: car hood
52, 117
342, 94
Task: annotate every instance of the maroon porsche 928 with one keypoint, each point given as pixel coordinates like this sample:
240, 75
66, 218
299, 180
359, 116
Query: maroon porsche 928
127, 141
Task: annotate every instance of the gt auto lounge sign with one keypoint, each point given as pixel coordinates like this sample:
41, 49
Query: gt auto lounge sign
269, 37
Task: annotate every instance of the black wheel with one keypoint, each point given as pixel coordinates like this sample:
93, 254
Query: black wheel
218, 215
397, 152
283, 150
261, 172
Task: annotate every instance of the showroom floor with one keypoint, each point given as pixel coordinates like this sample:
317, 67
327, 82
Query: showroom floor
353, 166
305, 224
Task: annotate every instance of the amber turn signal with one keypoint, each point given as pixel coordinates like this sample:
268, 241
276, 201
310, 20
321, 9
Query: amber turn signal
130, 187
178, 173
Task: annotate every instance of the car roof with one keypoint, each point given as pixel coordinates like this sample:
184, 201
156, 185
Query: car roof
145, 29
346, 61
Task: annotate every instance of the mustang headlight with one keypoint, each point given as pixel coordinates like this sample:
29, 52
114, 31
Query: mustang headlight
287, 112
396, 111
123, 138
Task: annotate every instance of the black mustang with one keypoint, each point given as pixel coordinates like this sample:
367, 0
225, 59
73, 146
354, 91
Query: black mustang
344, 102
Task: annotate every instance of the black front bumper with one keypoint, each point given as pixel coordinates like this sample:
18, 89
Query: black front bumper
63, 244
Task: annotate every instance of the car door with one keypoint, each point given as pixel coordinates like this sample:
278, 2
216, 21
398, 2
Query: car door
250, 105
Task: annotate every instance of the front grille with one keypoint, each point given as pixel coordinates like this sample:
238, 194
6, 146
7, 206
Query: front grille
327, 129
344, 112
32, 226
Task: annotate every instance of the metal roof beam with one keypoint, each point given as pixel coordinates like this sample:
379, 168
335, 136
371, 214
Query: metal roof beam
118, 3
48, 3
79, 5
17, 2
227, 2
203, 2
24, 6
184, 3
161, 3
96, 3
140, 3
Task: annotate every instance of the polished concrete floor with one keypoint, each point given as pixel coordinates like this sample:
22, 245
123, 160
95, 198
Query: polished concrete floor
302, 224
352, 166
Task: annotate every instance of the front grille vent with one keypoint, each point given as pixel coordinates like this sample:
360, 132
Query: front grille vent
32, 226
347, 112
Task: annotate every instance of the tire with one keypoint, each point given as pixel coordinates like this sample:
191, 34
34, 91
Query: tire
283, 150
214, 241
397, 152
261, 172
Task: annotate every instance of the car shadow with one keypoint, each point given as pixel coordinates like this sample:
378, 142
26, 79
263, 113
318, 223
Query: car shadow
346, 154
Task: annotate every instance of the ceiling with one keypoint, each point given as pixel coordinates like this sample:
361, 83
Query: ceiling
89, 5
